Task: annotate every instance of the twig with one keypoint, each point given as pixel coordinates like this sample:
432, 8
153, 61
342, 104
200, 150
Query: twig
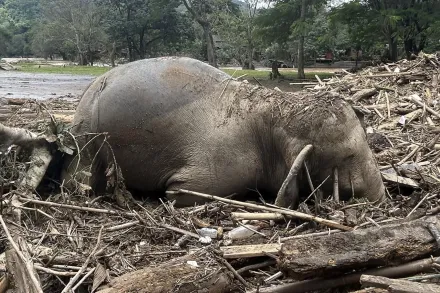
295, 214
122, 226
325, 233
253, 230
234, 272
258, 216
417, 206
72, 207
83, 279
27, 264
53, 272
387, 74
282, 199
313, 192
430, 110
178, 230
273, 277
84, 266
408, 156
257, 80
256, 266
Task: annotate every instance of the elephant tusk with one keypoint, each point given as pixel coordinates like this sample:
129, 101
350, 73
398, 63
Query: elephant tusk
283, 199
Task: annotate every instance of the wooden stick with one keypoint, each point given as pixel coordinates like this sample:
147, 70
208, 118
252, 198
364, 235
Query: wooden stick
84, 266
284, 239
387, 74
335, 185
319, 80
72, 207
53, 272
122, 226
283, 199
248, 251
29, 269
388, 105
178, 230
264, 264
83, 279
417, 102
408, 156
258, 216
234, 272
292, 213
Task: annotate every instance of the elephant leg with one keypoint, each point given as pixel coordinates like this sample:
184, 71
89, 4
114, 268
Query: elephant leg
197, 179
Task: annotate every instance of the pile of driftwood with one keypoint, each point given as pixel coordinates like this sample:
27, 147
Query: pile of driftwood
71, 242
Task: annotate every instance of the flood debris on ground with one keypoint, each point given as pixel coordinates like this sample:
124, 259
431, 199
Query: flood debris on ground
56, 240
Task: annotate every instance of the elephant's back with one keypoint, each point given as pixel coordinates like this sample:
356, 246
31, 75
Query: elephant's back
159, 84
155, 112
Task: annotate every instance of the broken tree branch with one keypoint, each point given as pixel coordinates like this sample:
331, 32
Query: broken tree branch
294, 214
27, 263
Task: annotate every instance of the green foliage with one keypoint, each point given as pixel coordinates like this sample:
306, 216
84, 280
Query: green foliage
80, 70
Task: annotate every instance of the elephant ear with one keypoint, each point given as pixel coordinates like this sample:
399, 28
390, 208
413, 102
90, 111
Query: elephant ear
360, 113
288, 194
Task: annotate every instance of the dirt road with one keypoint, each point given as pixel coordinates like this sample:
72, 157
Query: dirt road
15, 84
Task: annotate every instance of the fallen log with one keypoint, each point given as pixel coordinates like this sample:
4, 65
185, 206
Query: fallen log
190, 273
408, 269
398, 286
388, 245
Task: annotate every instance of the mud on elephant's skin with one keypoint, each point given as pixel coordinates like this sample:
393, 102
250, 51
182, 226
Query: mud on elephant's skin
178, 123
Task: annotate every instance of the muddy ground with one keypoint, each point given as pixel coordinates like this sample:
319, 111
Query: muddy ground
16, 84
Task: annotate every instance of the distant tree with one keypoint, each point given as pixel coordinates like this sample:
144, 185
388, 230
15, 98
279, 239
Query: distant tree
75, 23
405, 22
287, 20
238, 28
207, 13
141, 25
21, 16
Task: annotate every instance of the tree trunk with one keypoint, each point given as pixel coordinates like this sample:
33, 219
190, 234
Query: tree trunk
389, 245
301, 74
409, 47
275, 73
176, 275
142, 49
112, 54
212, 58
392, 43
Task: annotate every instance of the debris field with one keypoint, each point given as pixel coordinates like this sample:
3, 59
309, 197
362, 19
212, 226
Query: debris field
55, 240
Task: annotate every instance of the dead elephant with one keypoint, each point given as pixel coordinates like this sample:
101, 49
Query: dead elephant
178, 123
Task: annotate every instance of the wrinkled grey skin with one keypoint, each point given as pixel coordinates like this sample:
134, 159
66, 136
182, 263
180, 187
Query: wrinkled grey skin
178, 123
